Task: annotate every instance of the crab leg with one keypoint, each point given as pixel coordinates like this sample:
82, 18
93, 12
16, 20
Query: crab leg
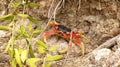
47, 33
70, 42
80, 43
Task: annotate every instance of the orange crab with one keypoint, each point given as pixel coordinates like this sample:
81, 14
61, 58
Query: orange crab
71, 36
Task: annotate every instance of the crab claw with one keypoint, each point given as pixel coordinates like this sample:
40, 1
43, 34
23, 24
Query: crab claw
47, 33
82, 45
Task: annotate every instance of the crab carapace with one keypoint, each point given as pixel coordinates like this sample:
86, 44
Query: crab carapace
64, 29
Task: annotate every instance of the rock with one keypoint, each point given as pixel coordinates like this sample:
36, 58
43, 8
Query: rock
114, 59
2, 33
101, 53
118, 41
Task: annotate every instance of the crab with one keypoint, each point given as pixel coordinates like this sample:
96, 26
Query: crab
66, 33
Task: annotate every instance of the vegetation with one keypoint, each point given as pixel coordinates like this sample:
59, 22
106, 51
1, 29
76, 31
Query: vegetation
24, 56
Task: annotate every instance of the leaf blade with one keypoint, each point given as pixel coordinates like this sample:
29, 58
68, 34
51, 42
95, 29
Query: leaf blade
33, 20
37, 31
54, 48
24, 55
7, 17
32, 61
48, 65
13, 64
23, 15
53, 58
30, 49
17, 57
5, 27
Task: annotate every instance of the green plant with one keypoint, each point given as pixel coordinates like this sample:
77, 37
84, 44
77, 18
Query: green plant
20, 56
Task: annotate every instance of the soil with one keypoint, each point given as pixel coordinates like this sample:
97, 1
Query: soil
99, 20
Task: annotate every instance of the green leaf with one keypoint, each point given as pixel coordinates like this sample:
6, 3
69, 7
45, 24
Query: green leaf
33, 4
17, 57
54, 48
5, 27
7, 17
19, 31
8, 45
31, 62
26, 34
24, 55
14, 63
41, 46
37, 31
19, 34
48, 64
11, 52
23, 31
23, 15
41, 49
20, 50
30, 49
30, 27
16, 4
41, 43
53, 58
33, 20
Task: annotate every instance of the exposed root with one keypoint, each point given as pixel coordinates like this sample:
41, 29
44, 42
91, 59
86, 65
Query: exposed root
63, 3
56, 9
50, 10
51, 13
79, 4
